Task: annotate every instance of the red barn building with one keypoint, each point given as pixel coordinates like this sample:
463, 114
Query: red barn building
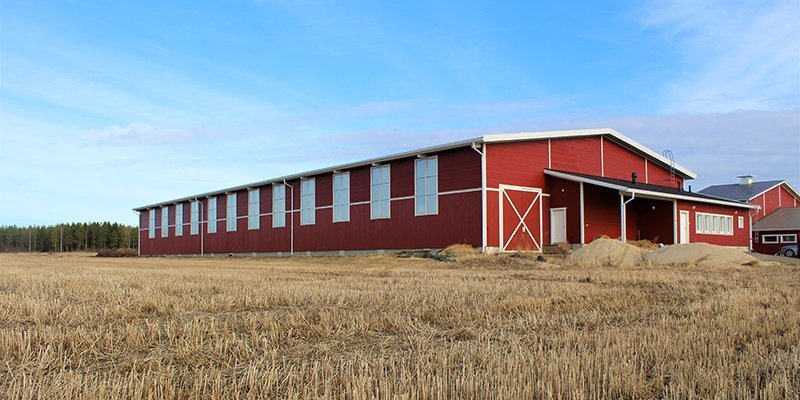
501, 192
769, 218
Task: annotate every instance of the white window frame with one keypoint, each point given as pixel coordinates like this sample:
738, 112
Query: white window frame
254, 209
741, 222
165, 221
279, 206
152, 226
383, 188
212, 215
194, 218
773, 239
308, 199
427, 179
713, 224
230, 213
341, 197
179, 219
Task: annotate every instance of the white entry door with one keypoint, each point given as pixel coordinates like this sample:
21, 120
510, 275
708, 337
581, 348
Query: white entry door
558, 225
684, 227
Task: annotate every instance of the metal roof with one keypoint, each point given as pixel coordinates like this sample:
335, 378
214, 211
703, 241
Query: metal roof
645, 190
739, 192
787, 218
489, 138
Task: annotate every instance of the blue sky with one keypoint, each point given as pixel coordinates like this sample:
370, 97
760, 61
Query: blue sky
109, 105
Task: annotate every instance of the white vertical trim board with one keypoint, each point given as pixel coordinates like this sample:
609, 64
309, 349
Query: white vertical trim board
646, 177
675, 222
602, 159
549, 156
583, 219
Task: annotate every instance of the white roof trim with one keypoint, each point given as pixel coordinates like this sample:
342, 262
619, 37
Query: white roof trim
490, 138
648, 193
513, 137
790, 229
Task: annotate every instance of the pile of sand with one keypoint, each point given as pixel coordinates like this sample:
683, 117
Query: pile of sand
703, 254
606, 252
459, 250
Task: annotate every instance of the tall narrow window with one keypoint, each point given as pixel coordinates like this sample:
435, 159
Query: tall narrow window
278, 206
179, 219
230, 216
741, 222
151, 229
341, 197
253, 208
308, 201
379, 185
195, 218
165, 221
426, 186
212, 215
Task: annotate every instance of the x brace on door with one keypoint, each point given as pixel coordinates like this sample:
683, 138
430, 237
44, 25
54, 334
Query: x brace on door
521, 224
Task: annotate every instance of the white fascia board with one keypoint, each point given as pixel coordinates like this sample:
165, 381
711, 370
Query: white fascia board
797, 228
512, 137
647, 193
690, 198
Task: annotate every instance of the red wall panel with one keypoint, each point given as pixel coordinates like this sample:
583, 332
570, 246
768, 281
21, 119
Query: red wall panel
760, 247
458, 219
601, 212
740, 237
565, 193
654, 220
619, 162
580, 155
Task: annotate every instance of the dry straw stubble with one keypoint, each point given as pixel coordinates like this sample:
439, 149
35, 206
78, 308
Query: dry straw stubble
380, 327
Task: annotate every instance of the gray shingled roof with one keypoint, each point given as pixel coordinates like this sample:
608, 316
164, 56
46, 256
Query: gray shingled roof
739, 192
787, 218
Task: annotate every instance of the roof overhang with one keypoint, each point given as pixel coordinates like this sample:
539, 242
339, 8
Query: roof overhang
646, 193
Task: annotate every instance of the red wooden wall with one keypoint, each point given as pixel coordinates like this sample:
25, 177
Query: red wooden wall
740, 237
458, 220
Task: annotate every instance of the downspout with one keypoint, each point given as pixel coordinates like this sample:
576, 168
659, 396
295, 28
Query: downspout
623, 214
291, 218
483, 195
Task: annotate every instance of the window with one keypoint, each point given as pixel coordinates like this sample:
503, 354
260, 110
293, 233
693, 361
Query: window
178, 219
770, 239
774, 239
195, 218
741, 222
426, 186
152, 226
341, 197
230, 215
164, 221
253, 209
714, 224
307, 201
380, 200
279, 206
212, 215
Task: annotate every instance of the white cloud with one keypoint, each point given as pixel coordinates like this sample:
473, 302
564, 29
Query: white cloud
742, 55
139, 133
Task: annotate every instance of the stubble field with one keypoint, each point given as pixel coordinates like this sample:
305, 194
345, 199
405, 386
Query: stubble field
76, 326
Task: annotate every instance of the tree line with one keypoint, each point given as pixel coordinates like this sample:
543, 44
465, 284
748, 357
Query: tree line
76, 236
